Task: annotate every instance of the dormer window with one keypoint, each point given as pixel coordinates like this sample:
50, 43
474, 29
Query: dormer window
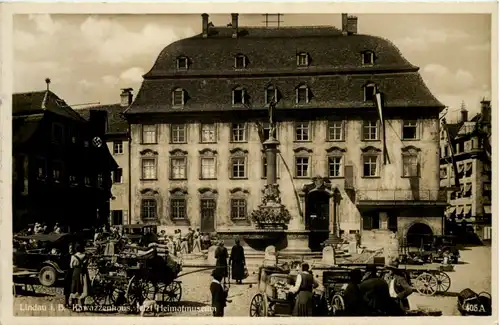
271, 94
240, 61
368, 57
370, 90
178, 97
239, 94
302, 94
302, 59
182, 63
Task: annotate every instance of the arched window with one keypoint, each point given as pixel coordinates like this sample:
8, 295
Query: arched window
271, 94
178, 97
240, 61
302, 94
239, 96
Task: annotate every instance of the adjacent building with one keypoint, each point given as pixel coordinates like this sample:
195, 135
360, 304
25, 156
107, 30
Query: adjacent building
198, 122
60, 165
117, 140
470, 201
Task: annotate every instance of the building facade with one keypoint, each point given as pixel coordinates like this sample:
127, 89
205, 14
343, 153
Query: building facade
61, 167
470, 200
117, 141
198, 123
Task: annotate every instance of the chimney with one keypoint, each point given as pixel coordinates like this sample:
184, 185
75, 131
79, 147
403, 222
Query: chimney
126, 97
464, 115
344, 24
204, 25
234, 23
352, 25
98, 122
486, 109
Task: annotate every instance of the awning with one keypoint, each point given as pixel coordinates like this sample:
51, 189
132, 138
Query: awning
459, 210
467, 209
468, 187
460, 168
470, 220
468, 167
451, 210
487, 209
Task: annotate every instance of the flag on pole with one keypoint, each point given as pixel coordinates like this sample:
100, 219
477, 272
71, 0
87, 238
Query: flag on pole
378, 101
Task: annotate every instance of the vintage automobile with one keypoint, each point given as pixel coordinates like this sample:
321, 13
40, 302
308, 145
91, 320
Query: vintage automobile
47, 254
134, 232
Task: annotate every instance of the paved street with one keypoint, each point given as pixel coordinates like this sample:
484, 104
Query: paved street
196, 292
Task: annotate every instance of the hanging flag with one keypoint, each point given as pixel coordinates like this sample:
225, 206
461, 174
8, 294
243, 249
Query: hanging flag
378, 101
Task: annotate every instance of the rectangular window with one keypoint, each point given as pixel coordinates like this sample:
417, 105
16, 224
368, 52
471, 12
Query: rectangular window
443, 172
468, 169
116, 217
367, 58
370, 130
238, 209
207, 211
178, 99
208, 168
207, 133
148, 209
303, 59
148, 168
178, 168
41, 168
334, 166
302, 132
410, 166
149, 135
57, 133
446, 152
117, 176
271, 95
301, 166
369, 92
178, 133
178, 208
238, 132
410, 130
371, 221
238, 167
370, 168
117, 147
238, 96
182, 63
468, 190
335, 131
56, 172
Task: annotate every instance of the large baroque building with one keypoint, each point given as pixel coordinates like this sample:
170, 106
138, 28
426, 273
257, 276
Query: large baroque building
60, 166
198, 122
470, 200
117, 140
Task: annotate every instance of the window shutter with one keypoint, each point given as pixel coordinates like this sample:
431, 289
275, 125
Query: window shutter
297, 92
312, 124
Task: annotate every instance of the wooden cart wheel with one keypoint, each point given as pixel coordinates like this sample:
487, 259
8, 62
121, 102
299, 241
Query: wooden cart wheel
138, 290
172, 293
443, 281
426, 284
258, 306
104, 292
337, 304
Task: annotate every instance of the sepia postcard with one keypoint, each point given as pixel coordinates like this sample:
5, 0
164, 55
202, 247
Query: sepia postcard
195, 161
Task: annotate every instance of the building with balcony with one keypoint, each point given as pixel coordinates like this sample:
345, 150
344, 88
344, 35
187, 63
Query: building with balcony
198, 123
61, 169
469, 199
117, 140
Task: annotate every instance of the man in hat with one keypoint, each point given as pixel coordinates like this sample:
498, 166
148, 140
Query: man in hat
219, 294
375, 293
399, 287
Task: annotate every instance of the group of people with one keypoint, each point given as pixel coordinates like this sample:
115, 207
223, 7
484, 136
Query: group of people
77, 279
42, 228
374, 295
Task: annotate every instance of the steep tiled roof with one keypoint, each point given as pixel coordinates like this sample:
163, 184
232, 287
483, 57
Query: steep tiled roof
24, 128
453, 129
116, 121
41, 101
335, 75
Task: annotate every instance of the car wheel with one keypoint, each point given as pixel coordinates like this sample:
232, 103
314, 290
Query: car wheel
47, 276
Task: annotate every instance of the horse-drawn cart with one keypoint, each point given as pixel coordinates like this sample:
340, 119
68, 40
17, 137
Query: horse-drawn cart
427, 280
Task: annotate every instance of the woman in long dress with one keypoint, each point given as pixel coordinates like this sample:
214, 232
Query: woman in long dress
304, 286
237, 261
80, 278
221, 256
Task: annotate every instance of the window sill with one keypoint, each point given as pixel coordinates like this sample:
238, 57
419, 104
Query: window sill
238, 104
148, 179
301, 177
265, 177
243, 141
208, 179
148, 143
302, 141
241, 222
416, 139
370, 140
171, 142
117, 153
238, 178
178, 179
208, 142
181, 222
333, 140
335, 177
370, 177
178, 106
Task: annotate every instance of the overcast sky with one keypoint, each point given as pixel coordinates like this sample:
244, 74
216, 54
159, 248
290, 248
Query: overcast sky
89, 58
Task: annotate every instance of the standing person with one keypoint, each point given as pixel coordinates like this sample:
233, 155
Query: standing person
177, 240
190, 239
80, 277
237, 261
219, 294
221, 256
399, 288
304, 286
353, 299
68, 277
375, 293
184, 245
197, 240
358, 239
